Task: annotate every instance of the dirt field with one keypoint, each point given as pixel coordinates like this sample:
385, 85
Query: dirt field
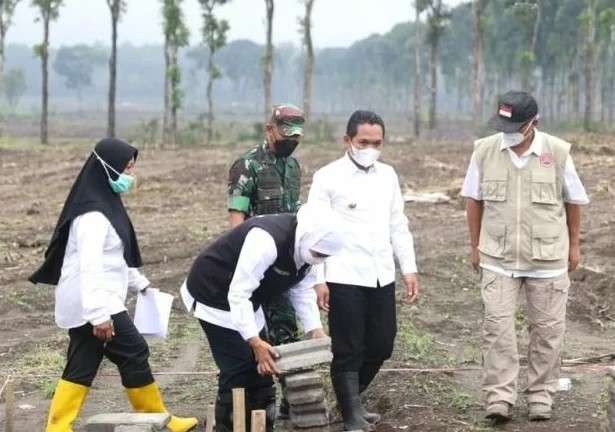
180, 205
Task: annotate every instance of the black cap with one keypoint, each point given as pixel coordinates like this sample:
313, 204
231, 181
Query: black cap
515, 108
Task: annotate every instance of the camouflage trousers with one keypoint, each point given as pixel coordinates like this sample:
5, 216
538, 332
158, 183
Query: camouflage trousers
281, 320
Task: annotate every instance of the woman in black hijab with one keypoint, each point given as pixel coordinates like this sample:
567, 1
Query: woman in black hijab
92, 259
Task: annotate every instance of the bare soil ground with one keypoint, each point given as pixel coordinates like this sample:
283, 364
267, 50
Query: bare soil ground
180, 206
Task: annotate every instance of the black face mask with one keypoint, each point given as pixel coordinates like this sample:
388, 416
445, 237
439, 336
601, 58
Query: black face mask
285, 147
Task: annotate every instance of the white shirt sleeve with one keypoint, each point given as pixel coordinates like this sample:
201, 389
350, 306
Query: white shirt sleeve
574, 191
303, 298
136, 280
471, 183
91, 231
318, 194
257, 254
401, 237
320, 274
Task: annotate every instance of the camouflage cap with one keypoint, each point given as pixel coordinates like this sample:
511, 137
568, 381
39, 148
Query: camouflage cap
289, 119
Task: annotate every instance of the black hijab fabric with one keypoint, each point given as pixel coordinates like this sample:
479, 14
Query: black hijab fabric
92, 192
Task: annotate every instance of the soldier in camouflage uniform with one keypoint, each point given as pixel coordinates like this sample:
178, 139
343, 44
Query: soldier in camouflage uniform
267, 180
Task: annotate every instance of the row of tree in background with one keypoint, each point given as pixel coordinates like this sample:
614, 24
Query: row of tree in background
457, 59
176, 36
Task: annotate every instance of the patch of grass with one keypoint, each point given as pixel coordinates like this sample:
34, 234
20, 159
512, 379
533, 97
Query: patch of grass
32, 144
460, 401
47, 387
42, 361
520, 319
416, 344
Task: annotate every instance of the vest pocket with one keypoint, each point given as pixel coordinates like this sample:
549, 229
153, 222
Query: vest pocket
544, 190
548, 242
493, 190
493, 240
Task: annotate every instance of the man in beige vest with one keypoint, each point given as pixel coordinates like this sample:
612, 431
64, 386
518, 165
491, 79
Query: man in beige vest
523, 207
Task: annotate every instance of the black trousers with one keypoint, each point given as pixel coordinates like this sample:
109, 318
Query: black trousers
128, 350
363, 325
235, 360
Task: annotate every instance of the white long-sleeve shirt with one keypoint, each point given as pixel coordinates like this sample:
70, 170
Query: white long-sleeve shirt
572, 189
371, 207
95, 277
257, 254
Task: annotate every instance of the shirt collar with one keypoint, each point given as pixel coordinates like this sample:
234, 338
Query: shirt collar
535, 147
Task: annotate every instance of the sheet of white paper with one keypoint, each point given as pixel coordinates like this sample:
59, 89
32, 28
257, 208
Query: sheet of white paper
153, 312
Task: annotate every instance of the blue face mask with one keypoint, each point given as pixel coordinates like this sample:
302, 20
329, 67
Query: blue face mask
122, 184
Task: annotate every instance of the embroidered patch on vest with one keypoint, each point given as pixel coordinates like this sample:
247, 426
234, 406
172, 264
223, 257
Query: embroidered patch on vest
546, 160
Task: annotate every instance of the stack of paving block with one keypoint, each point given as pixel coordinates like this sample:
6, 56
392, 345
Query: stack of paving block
128, 422
304, 387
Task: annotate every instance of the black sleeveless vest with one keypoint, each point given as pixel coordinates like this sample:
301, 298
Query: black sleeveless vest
211, 274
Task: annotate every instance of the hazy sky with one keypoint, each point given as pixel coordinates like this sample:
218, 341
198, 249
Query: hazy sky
336, 22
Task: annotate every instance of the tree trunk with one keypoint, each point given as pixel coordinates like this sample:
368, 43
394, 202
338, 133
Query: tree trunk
45, 73
534, 46
166, 119
433, 78
174, 97
268, 60
309, 60
3, 28
210, 101
115, 13
590, 65
478, 62
417, 71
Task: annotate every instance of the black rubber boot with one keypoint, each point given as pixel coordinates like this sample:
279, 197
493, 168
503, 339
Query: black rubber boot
224, 412
368, 372
264, 399
346, 386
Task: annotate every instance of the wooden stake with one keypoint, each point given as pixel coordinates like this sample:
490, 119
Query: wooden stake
259, 421
211, 418
239, 410
9, 398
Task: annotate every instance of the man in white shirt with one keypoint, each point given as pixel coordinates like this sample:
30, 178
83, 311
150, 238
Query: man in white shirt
231, 280
523, 207
357, 285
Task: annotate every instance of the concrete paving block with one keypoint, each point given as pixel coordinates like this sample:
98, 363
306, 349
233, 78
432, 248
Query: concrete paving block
309, 345
135, 428
304, 354
303, 379
108, 422
315, 407
308, 396
310, 420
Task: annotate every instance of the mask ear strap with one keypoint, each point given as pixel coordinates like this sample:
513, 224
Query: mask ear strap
105, 164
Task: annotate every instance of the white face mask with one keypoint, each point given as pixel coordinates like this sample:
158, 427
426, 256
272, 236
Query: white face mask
365, 157
516, 138
512, 139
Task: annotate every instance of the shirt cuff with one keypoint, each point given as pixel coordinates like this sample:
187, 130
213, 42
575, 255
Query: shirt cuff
408, 267
312, 323
577, 202
239, 203
99, 320
320, 274
141, 283
248, 332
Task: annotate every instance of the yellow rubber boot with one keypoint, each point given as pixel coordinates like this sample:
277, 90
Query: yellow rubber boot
148, 400
65, 406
